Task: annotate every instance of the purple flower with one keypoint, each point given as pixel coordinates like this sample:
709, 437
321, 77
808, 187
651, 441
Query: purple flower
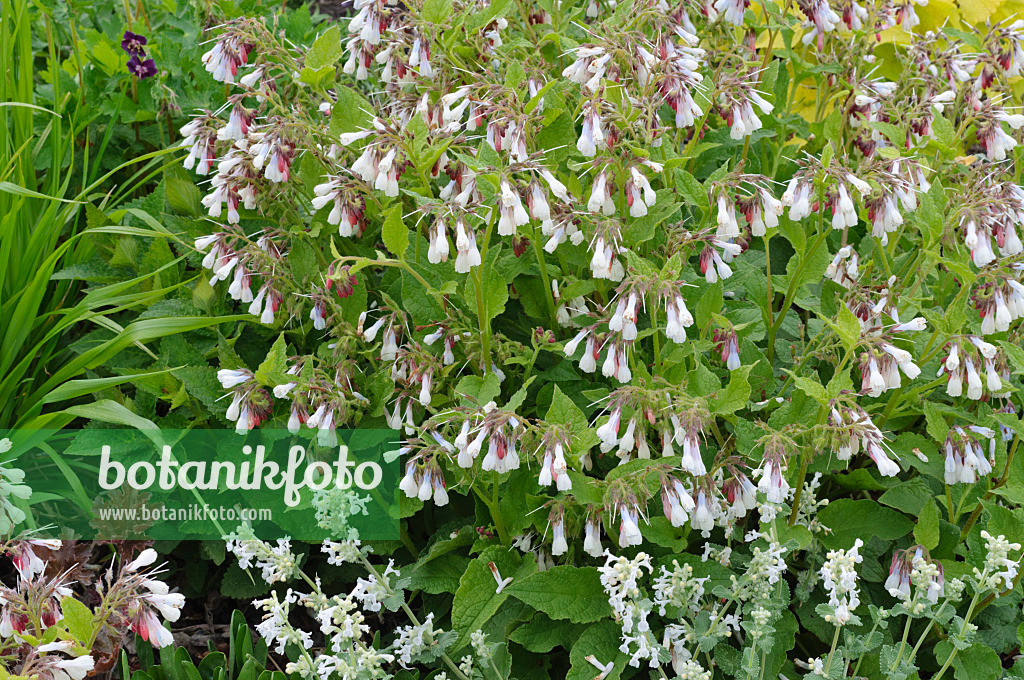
133, 44
141, 68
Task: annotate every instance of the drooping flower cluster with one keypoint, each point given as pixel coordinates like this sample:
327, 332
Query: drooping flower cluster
965, 459
854, 431
914, 567
964, 363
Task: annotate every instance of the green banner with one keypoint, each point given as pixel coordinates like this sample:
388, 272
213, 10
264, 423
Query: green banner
127, 484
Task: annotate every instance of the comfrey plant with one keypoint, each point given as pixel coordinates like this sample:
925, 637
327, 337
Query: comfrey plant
736, 286
46, 631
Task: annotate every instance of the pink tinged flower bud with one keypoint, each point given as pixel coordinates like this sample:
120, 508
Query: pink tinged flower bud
477, 444
628, 440
438, 248
389, 347
1003, 317
598, 193
270, 308
562, 480
545, 476
691, 461
149, 628
235, 408
724, 271
316, 314
732, 360
296, 418
951, 465
512, 213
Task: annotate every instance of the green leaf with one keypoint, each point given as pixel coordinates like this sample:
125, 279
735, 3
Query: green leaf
302, 259
109, 411
1015, 354
908, 496
847, 327
78, 619
927, 530
440, 575
541, 634
395, 233
564, 410
351, 113
481, 389
703, 381
514, 75
976, 662
711, 302
935, 423
895, 135
692, 190
736, 393
183, 196
812, 388
485, 16
326, 50
944, 132
644, 228
476, 600
495, 290
241, 584
273, 371
437, 11
78, 388
602, 642
565, 592
850, 519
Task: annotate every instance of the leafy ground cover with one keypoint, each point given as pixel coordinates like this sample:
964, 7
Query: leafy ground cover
700, 326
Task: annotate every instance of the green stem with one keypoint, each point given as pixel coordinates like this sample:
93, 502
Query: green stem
963, 628
832, 650
768, 270
799, 488
657, 340
906, 634
494, 505
787, 302
928, 628
548, 293
484, 323
867, 643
